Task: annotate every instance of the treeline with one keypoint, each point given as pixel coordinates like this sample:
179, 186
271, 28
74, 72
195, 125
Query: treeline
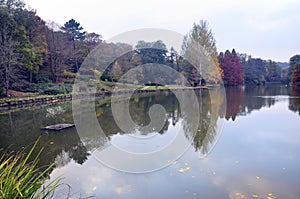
36, 56
241, 69
44, 57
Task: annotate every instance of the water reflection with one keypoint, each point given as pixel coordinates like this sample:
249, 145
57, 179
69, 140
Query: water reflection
182, 127
243, 101
234, 99
294, 104
21, 128
262, 161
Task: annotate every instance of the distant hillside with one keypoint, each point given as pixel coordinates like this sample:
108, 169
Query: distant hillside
282, 64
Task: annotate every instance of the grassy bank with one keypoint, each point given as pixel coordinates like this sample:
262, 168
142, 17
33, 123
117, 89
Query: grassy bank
20, 99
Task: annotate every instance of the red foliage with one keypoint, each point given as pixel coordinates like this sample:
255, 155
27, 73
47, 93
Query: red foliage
232, 68
296, 75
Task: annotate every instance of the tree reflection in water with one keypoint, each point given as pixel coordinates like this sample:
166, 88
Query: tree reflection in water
21, 128
202, 140
294, 101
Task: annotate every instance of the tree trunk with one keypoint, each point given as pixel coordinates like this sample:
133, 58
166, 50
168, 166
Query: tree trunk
6, 79
74, 56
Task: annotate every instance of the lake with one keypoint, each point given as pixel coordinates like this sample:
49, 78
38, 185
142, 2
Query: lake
244, 146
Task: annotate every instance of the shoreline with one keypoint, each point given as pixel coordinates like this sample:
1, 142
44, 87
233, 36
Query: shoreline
52, 99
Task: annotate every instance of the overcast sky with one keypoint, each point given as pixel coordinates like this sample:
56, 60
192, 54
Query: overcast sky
262, 28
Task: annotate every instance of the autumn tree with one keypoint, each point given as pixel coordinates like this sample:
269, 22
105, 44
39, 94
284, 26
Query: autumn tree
13, 44
232, 68
34, 47
296, 75
58, 52
8, 47
199, 47
92, 40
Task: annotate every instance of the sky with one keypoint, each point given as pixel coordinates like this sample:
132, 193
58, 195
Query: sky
268, 29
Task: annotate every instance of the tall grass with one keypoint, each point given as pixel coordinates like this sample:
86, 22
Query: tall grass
21, 178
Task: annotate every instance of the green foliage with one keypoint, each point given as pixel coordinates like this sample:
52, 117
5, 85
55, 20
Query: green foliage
20, 177
55, 89
273, 72
74, 29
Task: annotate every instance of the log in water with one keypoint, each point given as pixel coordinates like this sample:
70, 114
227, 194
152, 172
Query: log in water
58, 127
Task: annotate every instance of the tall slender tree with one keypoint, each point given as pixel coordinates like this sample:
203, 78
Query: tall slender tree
232, 68
199, 47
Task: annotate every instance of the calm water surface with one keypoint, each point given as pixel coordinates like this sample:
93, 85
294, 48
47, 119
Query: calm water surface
256, 155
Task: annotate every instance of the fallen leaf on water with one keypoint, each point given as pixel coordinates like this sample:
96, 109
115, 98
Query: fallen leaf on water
94, 188
51, 143
239, 195
168, 161
257, 177
188, 168
181, 170
271, 196
254, 196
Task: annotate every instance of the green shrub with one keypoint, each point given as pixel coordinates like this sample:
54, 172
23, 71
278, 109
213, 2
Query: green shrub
42, 79
55, 89
25, 86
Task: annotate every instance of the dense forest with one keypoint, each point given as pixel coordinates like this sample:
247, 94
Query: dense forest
45, 57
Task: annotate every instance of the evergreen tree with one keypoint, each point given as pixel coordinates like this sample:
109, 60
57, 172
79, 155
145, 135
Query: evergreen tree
76, 33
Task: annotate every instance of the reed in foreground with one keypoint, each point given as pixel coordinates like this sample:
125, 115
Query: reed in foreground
21, 178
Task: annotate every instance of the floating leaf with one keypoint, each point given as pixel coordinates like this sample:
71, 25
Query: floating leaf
181, 170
